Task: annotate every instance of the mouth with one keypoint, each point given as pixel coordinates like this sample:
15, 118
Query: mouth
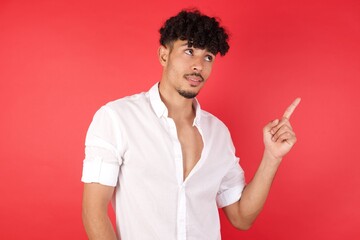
194, 79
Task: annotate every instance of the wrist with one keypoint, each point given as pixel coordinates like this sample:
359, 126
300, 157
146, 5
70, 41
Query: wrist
269, 158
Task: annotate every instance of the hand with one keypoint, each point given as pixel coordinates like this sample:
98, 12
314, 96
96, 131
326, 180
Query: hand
279, 136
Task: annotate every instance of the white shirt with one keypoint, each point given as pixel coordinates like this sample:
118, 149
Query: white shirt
132, 145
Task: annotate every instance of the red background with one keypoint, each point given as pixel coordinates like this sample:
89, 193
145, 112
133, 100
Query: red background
61, 60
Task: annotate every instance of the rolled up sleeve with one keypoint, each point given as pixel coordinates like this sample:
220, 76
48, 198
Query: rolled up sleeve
102, 149
231, 186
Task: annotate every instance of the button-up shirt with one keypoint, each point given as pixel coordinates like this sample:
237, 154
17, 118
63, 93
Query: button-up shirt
132, 144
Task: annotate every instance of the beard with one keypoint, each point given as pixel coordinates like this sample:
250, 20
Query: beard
187, 94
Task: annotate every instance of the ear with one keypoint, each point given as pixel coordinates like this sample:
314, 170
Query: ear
163, 54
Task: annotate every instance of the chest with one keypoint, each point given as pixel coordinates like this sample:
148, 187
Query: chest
191, 147
164, 152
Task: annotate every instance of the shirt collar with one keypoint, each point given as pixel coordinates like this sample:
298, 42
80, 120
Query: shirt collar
156, 103
197, 107
161, 110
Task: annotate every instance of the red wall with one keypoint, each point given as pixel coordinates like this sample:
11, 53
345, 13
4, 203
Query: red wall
61, 60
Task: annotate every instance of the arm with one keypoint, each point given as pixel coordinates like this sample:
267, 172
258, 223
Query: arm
279, 138
96, 198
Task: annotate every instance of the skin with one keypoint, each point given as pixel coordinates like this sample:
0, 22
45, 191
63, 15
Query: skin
96, 199
186, 70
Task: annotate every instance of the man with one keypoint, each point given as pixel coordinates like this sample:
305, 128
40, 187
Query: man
167, 164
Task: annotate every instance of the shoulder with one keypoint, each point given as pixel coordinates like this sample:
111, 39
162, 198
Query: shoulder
114, 111
127, 101
128, 104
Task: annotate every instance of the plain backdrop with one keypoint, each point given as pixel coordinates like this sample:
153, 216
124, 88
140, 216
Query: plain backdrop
60, 61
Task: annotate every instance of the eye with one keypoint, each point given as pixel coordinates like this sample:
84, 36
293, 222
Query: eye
209, 58
189, 51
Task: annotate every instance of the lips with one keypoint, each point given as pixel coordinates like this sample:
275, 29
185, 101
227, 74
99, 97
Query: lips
194, 79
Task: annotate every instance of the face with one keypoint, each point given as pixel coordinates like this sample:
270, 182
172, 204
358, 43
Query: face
185, 69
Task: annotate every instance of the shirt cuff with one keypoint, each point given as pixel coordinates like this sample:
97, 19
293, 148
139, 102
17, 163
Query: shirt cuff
98, 171
229, 196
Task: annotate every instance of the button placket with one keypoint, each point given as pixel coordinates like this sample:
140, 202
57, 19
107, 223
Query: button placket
181, 216
181, 209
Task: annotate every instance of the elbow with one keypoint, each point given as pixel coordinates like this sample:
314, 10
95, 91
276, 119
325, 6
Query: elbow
242, 226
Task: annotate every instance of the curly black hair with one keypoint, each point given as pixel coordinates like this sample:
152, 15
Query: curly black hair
201, 31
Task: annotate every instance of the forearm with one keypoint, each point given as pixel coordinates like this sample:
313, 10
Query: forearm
255, 194
98, 226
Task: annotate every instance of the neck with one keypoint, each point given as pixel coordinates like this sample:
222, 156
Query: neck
179, 107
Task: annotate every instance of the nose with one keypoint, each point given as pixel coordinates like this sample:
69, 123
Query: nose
197, 65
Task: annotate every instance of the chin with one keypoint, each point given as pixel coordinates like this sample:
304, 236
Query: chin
188, 94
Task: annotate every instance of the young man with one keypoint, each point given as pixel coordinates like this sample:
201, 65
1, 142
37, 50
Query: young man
167, 164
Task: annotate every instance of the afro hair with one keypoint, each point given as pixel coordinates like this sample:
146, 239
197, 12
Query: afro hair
201, 31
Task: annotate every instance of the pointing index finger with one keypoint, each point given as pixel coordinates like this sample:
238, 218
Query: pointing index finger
289, 111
